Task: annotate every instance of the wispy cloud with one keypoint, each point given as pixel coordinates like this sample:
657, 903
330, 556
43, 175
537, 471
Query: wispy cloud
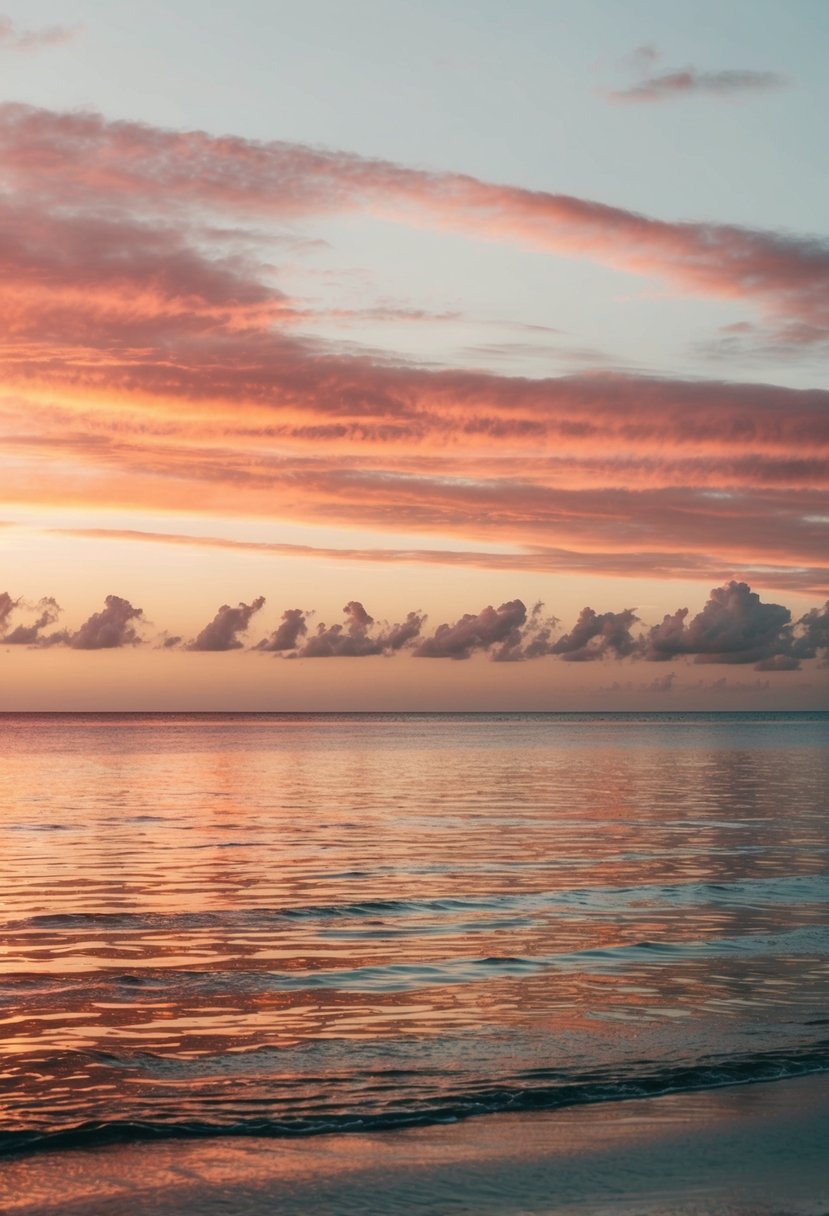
151, 359
81, 161
651, 85
689, 82
14, 38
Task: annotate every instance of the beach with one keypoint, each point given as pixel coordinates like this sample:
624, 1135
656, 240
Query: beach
750, 1150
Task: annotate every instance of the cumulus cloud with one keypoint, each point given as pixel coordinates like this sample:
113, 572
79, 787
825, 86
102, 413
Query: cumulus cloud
597, 635
110, 628
48, 611
359, 636
733, 627
490, 627
222, 632
352, 640
7, 607
13, 38
399, 636
533, 640
286, 636
810, 636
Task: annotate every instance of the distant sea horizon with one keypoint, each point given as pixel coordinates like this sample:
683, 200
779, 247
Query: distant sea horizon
418, 713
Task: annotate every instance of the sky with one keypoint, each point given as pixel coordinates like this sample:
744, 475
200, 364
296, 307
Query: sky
414, 356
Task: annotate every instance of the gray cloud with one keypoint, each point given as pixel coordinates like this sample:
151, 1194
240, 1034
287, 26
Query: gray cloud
108, 629
476, 633
287, 635
399, 636
533, 641
810, 636
7, 607
221, 632
733, 627
596, 635
30, 635
690, 82
358, 638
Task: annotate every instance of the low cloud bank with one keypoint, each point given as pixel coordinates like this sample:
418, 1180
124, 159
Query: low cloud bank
734, 627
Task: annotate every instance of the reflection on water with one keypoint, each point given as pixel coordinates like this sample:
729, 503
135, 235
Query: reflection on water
285, 922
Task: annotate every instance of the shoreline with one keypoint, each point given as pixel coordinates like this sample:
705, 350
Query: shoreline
757, 1149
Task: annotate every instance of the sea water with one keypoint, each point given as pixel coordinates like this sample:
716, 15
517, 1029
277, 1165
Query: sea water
288, 924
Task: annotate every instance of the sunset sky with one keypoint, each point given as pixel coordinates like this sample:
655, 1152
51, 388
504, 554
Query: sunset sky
386, 355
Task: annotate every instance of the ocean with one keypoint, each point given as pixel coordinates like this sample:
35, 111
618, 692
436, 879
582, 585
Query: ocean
288, 924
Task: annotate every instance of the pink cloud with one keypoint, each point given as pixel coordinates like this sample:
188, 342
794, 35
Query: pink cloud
75, 159
151, 360
13, 38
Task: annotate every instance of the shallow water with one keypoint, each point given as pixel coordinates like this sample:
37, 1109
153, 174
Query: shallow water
287, 924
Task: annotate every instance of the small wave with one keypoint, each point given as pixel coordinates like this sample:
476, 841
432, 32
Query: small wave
533, 1090
583, 901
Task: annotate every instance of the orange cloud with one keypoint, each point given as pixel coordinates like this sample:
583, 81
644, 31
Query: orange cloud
151, 361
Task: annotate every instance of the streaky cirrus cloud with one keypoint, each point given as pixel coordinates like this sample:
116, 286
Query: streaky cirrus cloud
690, 82
652, 564
79, 160
114, 626
15, 38
151, 361
222, 632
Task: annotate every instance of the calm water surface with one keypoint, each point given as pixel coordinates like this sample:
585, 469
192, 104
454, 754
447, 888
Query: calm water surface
287, 924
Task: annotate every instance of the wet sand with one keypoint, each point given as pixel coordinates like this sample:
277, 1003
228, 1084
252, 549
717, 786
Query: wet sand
752, 1150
